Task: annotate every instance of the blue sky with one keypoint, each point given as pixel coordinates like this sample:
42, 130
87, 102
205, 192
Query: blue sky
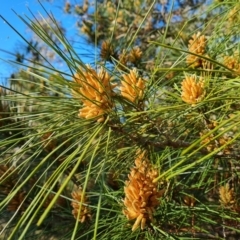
8, 37
10, 41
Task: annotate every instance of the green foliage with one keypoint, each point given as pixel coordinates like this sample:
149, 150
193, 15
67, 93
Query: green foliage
136, 149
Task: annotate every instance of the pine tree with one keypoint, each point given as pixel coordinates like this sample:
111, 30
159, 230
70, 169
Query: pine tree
141, 145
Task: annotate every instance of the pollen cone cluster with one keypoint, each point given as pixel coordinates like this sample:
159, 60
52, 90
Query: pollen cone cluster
192, 91
79, 204
135, 55
123, 60
212, 143
141, 193
196, 45
95, 92
107, 51
132, 86
234, 14
8, 179
233, 62
226, 195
